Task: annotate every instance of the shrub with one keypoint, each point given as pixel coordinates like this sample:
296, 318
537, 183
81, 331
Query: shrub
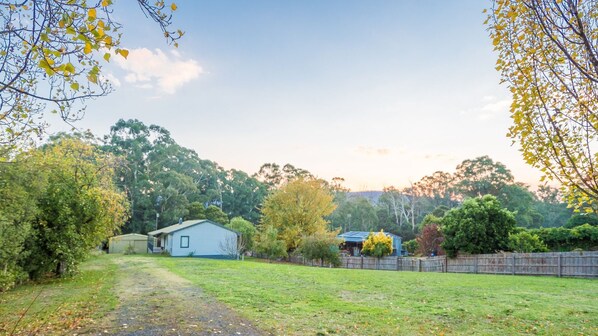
129, 250
321, 246
411, 246
526, 242
377, 245
269, 244
429, 240
581, 219
480, 225
247, 231
584, 237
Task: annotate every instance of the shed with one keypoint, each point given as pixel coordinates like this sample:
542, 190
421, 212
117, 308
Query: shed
120, 244
354, 242
198, 237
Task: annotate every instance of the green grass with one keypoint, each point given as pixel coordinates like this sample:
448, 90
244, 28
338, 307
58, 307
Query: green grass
298, 300
57, 305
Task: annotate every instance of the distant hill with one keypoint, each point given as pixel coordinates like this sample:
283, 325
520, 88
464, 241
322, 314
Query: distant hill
371, 195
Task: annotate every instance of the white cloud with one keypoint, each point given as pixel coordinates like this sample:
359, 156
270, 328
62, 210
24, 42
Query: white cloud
371, 151
491, 110
166, 72
440, 157
111, 78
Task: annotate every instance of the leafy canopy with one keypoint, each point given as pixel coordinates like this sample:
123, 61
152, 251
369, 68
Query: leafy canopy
298, 209
480, 225
247, 231
548, 56
321, 246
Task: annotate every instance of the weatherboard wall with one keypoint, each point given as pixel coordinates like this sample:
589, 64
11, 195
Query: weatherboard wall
204, 239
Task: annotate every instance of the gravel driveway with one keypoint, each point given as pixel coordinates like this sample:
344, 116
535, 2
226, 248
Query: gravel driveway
154, 301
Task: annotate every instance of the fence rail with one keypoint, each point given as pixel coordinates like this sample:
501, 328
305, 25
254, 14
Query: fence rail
562, 264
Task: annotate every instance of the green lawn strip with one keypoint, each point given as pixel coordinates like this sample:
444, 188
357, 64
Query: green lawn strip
301, 300
58, 305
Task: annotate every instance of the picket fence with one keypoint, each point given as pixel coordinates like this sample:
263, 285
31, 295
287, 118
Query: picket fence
562, 264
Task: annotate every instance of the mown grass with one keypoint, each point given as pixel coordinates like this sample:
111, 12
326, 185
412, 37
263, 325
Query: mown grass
56, 306
297, 300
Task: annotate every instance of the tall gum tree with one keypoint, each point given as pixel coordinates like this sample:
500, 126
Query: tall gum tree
548, 56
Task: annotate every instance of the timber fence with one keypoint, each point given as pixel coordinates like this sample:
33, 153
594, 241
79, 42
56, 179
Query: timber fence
561, 264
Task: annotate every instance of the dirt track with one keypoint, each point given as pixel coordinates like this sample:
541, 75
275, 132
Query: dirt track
154, 301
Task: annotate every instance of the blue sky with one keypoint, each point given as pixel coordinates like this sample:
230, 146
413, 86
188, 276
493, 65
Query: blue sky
378, 92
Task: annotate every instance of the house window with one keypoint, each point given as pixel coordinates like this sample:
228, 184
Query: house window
184, 241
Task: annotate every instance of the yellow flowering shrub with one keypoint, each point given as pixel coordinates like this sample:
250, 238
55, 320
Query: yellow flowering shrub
377, 245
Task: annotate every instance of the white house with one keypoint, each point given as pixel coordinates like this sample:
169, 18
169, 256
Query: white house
198, 237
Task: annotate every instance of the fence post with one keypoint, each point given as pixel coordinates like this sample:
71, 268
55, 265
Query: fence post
347, 263
475, 264
560, 264
397, 263
419, 265
361, 262
513, 262
445, 264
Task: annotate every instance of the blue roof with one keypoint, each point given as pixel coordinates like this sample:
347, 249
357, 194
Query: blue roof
361, 236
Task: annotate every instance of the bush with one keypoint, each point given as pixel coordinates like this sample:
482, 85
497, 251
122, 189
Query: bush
581, 219
526, 242
247, 231
480, 225
321, 246
584, 237
377, 245
269, 244
129, 250
411, 246
429, 241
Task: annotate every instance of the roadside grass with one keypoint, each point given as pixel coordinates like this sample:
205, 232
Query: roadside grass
55, 306
298, 300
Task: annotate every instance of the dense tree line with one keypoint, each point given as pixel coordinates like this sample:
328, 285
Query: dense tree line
403, 210
164, 181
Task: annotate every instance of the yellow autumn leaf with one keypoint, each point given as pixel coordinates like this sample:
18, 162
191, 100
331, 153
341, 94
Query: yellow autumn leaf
69, 67
91, 13
173, 6
123, 52
87, 48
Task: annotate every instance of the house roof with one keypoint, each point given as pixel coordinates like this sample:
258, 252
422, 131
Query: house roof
360, 236
186, 224
130, 235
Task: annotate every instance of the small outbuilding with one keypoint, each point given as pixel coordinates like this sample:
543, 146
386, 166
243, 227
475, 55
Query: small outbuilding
195, 238
353, 242
130, 243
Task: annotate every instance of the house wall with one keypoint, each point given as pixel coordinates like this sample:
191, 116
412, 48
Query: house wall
204, 240
168, 244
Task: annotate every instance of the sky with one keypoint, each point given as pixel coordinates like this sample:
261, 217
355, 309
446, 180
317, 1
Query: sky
380, 93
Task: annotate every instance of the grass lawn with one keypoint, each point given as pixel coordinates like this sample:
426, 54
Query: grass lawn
297, 300
57, 305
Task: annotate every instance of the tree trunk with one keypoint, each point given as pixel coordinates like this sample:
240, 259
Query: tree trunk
61, 268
